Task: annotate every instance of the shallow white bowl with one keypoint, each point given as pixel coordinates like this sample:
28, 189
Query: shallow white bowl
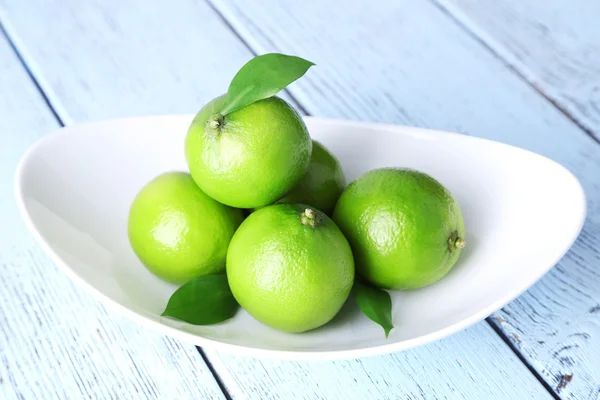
522, 213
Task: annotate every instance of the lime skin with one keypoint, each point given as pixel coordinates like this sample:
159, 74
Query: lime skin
290, 267
177, 231
251, 157
322, 184
406, 230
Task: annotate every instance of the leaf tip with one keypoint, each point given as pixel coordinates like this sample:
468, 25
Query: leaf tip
387, 330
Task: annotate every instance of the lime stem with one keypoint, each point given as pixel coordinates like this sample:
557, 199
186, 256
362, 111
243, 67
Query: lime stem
455, 242
309, 218
214, 125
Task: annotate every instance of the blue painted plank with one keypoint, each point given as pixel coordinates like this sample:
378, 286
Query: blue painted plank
409, 62
126, 38
55, 340
463, 366
553, 44
124, 58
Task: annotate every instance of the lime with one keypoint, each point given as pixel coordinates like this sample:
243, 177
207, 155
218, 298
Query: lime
322, 184
290, 267
177, 231
251, 157
406, 230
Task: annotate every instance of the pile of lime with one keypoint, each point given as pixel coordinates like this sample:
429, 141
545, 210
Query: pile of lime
264, 219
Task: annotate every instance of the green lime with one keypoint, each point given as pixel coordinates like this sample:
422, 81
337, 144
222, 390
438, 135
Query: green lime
177, 231
322, 184
290, 267
406, 230
251, 157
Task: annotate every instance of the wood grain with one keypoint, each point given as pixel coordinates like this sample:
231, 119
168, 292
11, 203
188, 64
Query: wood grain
413, 374
76, 55
55, 340
409, 62
553, 44
124, 58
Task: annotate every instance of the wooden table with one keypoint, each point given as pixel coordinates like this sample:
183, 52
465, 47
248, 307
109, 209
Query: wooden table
520, 72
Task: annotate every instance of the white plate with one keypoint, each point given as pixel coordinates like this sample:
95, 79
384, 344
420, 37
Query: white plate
522, 213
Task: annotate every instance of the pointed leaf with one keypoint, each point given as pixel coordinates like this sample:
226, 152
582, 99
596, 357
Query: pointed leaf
202, 301
263, 76
374, 303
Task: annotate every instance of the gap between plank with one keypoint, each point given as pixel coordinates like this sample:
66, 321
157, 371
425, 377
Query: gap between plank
254, 52
30, 74
468, 26
514, 349
496, 329
214, 373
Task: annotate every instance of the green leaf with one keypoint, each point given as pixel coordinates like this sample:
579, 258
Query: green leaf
375, 304
263, 76
202, 301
